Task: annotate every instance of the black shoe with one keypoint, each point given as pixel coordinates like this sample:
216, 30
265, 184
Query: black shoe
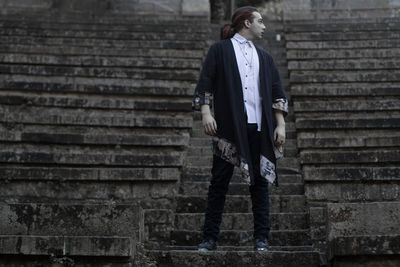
207, 245
261, 244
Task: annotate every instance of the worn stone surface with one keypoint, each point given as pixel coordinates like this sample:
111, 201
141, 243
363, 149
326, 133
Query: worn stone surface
232, 258
94, 121
363, 219
345, 93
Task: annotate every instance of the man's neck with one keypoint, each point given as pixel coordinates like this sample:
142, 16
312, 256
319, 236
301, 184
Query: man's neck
246, 35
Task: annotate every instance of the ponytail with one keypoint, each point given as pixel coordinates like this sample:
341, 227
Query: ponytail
227, 32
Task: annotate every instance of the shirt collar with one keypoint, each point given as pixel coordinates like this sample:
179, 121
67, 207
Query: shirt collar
241, 39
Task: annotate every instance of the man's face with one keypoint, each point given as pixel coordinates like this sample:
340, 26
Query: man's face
257, 28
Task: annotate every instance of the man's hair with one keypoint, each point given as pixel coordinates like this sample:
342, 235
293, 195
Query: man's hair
238, 18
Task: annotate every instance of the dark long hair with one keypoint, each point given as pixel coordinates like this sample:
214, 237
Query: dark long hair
238, 18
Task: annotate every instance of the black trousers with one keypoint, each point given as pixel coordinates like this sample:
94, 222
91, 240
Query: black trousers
221, 175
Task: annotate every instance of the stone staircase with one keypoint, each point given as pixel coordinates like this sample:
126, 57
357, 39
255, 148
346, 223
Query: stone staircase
290, 233
94, 121
345, 77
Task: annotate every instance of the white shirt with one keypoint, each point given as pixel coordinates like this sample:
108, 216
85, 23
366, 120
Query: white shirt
249, 66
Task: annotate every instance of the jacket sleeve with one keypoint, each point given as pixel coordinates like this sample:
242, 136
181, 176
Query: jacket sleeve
279, 100
205, 87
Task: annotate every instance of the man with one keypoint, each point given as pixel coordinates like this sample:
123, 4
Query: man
249, 128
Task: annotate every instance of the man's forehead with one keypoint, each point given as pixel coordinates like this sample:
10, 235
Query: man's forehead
257, 15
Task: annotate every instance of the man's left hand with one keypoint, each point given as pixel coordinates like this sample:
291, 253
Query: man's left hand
279, 135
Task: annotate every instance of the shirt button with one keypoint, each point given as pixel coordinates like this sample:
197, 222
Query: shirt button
245, 101
245, 88
246, 75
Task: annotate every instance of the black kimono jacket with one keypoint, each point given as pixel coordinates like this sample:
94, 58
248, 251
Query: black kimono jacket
220, 81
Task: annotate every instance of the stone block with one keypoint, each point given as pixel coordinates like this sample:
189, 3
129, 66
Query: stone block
149, 195
343, 53
243, 238
317, 215
71, 220
88, 174
30, 155
196, 8
351, 174
242, 221
67, 245
347, 123
242, 204
344, 89
326, 157
57, 116
363, 219
165, 88
237, 258
348, 141
352, 191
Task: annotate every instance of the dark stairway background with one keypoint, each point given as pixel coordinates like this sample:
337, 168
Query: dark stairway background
290, 232
96, 154
94, 122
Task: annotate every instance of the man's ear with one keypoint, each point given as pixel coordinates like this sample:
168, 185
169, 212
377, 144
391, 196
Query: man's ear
247, 23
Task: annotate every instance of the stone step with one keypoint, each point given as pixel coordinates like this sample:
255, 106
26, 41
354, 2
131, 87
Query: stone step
134, 32
58, 173
350, 173
25, 45
345, 89
243, 221
114, 247
49, 135
374, 103
59, 116
345, 64
346, 156
345, 44
160, 26
101, 72
87, 40
341, 36
196, 132
243, 238
188, 176
72, 155
205, 142
242, 204
235, 258
198, 124
97, 102
206, 170
96, 61
201, 188
98, 86
245, 248
205, 160
352, 24
347, 123
343, 53
111, 33
347, 141
70, 220
322, 76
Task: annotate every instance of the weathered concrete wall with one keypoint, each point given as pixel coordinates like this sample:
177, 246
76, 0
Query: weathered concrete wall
115, 7
314, 10
343, 66
95, 118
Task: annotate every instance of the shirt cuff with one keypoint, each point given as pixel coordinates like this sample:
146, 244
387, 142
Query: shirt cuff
281, 104
204, 98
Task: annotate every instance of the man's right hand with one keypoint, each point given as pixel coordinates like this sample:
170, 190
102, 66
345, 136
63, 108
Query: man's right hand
210, 126
209, 123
